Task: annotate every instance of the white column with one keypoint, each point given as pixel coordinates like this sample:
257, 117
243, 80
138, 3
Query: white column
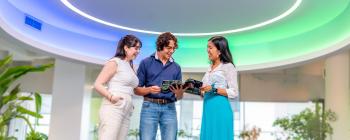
337, 96
70, 104
186, 116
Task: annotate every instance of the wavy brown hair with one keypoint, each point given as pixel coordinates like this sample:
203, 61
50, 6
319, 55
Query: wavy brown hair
164, 39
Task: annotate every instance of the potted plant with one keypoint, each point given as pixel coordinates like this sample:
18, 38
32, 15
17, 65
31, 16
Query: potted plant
33, 135
11, 99
308, 124
250, 134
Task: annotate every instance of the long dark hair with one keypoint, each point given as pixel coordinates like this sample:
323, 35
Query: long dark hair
129, 41
221, 44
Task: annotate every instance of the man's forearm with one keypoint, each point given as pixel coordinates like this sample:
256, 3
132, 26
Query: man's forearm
142, 91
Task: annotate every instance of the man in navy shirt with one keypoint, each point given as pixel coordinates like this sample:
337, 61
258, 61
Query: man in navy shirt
158, 107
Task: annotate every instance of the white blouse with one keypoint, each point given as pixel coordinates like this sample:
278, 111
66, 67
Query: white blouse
124, 80
223, 76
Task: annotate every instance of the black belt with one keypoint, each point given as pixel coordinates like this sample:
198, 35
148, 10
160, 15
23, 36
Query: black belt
158, 101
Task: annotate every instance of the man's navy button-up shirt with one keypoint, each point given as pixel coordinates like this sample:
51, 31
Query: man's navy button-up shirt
152, 72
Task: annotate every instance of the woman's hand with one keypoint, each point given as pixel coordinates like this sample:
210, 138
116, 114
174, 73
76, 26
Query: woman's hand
205, 88
114, 99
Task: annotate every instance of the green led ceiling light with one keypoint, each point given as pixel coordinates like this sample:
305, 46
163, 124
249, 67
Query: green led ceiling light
315, 30
261, 35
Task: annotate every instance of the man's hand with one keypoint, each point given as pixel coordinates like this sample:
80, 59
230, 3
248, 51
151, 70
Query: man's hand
178, 90
154, 89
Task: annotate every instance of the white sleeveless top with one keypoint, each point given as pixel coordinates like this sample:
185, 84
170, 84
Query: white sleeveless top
124, 80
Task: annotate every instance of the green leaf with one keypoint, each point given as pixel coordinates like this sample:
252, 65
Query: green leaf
4, 85
38, 102
8, 138
12, 96
25, 98
23, 110
21, 70
5, 61
15, 90
32, 135
8, 114
13, 73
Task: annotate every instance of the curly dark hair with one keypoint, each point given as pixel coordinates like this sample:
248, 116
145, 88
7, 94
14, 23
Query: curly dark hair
163, 40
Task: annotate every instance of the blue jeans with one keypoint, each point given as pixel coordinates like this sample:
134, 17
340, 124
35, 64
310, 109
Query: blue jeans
153, 114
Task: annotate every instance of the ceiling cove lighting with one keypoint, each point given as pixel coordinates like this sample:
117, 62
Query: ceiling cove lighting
270, 21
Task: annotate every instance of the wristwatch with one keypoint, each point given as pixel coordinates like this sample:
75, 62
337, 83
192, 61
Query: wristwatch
215, 90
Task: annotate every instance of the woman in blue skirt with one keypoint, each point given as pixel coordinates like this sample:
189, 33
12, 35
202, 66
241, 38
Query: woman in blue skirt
219, 84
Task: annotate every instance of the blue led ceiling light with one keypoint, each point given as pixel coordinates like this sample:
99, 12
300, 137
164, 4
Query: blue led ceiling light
33, 22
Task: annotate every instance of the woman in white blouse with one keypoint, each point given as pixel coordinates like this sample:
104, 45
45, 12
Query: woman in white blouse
219, 84
120, 77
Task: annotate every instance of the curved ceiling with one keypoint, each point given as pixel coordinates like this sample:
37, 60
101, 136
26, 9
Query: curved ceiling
315, 28
209, 17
